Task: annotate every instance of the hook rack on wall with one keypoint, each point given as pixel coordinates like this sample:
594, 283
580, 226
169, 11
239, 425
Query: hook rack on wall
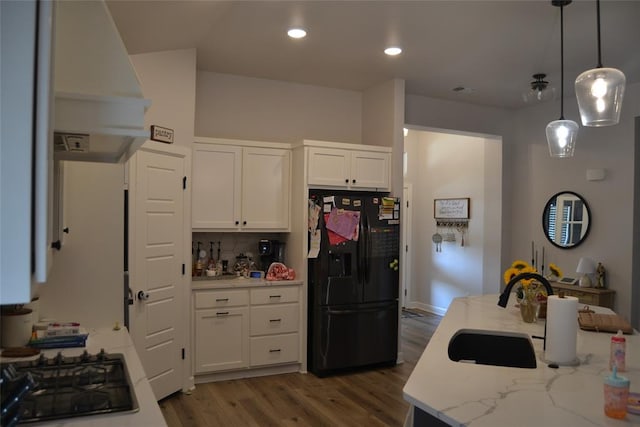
452, 223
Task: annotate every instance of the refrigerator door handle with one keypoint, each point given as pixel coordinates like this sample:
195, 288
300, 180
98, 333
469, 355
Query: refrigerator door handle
360, 251
360, 310
367, 247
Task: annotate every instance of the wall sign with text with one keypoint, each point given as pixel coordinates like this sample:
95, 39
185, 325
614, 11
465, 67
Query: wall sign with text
158, 133
451, 208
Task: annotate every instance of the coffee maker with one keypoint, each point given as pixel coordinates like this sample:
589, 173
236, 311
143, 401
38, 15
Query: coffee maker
270, 251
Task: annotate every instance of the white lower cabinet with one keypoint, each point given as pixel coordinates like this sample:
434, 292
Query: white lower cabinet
246, 328
222, 339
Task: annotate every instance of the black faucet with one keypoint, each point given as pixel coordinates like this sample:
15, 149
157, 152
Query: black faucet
504, 297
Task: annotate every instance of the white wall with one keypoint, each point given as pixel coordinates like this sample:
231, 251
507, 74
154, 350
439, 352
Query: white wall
442, 165
610, 239
229, 106
169, 80
382, 123
530, 177
86, 280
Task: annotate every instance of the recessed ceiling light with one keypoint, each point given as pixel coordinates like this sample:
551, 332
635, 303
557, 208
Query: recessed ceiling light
393, 51
296, 33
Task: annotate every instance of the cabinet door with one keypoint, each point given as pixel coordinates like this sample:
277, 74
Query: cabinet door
328, 166
370, 170
216, 186
221, 339
266, 187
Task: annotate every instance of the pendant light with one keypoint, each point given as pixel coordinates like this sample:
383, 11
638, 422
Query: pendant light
539, 90
561, 134
600, 91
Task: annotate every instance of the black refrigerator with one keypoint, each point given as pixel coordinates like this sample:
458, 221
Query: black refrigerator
353, 280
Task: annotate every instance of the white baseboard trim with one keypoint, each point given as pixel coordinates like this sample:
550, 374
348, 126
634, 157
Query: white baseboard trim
440, 311
247, 373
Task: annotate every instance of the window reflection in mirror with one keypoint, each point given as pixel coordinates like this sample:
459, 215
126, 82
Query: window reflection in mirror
566, 219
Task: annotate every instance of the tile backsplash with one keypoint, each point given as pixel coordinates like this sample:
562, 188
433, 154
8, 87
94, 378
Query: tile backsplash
232, 244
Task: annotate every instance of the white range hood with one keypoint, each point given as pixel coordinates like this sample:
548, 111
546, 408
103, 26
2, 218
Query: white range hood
99, 106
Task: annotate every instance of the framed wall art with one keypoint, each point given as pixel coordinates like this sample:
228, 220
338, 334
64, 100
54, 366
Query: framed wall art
451, 208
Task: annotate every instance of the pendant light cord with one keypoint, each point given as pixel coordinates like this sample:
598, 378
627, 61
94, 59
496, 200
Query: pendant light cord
561, 63
599, 50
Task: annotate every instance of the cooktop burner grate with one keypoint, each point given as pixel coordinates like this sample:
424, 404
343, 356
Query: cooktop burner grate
76, 386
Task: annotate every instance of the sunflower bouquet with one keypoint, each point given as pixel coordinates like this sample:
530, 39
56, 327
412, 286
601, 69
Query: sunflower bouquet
528, 289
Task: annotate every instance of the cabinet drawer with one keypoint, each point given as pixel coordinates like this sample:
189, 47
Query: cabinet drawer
275, 349
276, 319
585, 298
215, 299
274, 295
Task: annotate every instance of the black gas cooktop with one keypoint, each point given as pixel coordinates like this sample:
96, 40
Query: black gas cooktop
64, 387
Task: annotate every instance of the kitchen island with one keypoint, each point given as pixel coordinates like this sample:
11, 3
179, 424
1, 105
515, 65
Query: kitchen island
148, 414
444, 392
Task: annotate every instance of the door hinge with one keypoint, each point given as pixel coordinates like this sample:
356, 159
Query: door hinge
183, 269
183, 354
406, 249
184, 182
405, 292
407, 204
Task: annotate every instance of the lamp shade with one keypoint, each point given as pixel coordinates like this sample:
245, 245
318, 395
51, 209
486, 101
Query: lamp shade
599, 92
561, 137
586, 266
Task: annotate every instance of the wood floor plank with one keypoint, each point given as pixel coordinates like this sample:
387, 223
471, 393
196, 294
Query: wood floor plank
362, 398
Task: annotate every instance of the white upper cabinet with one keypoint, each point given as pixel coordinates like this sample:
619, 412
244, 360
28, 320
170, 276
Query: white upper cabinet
266, 188
241, 185
348, 166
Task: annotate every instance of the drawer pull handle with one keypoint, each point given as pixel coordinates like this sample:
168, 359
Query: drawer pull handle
275, 296
222, 313
275, 320
275, 350
222, 299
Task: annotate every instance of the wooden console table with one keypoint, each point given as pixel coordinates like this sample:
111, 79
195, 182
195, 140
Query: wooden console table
590, 296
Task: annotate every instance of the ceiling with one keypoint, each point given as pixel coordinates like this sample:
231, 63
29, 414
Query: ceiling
492, 48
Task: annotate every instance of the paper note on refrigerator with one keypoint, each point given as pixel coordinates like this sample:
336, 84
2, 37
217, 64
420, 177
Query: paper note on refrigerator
344, 223
314, 216
314, 242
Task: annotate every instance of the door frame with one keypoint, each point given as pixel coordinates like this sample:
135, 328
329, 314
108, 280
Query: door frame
406, 232
188, 381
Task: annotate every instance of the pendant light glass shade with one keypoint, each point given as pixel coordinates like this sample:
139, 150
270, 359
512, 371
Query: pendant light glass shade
561, 137
599, 92
562, 134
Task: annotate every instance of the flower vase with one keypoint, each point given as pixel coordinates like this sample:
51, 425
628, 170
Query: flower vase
529, 310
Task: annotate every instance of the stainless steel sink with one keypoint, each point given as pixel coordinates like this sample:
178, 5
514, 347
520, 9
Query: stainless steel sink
496, 348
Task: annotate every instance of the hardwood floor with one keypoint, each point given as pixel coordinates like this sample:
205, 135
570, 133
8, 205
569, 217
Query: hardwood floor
368, 398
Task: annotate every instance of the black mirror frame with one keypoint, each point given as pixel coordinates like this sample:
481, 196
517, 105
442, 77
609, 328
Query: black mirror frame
545, 217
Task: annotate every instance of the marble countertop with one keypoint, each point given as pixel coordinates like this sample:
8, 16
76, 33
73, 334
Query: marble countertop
463, 394
238, 282
149, 414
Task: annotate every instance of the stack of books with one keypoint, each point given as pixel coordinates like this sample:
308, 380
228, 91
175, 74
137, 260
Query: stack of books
59, 335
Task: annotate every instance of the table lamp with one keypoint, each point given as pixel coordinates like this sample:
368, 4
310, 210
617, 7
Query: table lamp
586, 266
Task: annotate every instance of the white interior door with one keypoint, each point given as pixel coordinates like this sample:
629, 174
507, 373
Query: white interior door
157, 276
406, 239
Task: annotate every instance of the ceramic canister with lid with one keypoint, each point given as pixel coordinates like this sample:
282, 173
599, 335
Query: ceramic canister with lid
16, 327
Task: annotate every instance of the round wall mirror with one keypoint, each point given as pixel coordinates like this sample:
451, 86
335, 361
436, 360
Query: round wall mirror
566, 219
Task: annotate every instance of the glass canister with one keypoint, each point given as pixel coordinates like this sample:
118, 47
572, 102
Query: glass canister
242, 266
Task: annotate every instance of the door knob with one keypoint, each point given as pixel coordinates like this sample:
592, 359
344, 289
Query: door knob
143, 296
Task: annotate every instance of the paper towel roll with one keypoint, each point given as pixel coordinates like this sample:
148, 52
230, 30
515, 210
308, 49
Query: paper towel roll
562, 330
